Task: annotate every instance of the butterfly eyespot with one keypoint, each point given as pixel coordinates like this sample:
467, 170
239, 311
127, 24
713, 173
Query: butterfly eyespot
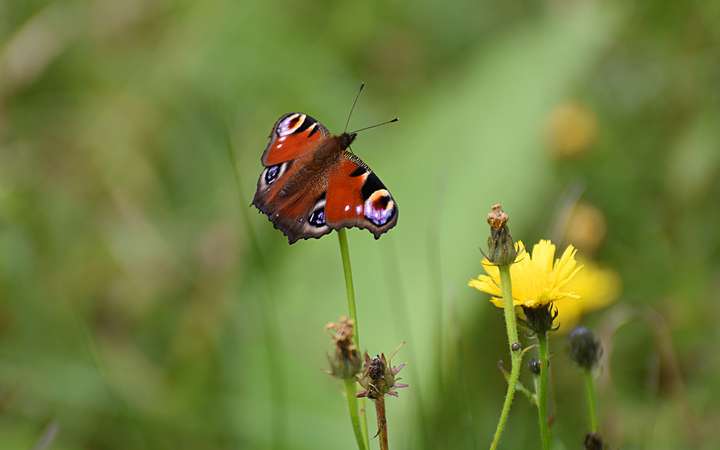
290, 124
317, 216
272, 174
379, 207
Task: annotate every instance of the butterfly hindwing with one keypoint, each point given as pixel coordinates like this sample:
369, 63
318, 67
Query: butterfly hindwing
357, 198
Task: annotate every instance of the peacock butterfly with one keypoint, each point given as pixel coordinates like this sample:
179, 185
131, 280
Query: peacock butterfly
313, 183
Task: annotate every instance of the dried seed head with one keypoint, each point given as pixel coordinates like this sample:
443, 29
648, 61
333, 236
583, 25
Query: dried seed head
497, 218
378, 378
501, 248
345, 362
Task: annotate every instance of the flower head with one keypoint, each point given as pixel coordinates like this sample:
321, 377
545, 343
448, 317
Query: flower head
379, 378
538, 279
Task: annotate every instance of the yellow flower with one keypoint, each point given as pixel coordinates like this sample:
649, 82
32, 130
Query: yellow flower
537, 280
572, 130
598, 288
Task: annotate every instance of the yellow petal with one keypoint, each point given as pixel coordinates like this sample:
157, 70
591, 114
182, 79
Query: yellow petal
543, 255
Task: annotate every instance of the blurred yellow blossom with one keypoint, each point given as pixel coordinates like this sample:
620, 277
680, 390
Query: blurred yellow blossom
537, 280
572, 129
586, 227
597, 286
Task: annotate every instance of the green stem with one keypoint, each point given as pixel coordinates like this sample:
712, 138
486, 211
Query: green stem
520, 387
542, 391
591, 400
515, 355
354, 417
352, 309
349, 287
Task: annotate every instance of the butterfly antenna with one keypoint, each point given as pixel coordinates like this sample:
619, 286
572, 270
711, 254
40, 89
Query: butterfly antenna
376, 125
352, 108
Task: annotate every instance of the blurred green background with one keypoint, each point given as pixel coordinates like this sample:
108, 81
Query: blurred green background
144, 305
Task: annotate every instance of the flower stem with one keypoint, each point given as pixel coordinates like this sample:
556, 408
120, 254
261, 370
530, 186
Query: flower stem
353, 409
515, 355
381, 422
349, 287
591, 400
542, 390
352, 310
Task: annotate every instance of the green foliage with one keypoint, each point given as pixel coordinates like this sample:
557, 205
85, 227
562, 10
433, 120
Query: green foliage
143, 305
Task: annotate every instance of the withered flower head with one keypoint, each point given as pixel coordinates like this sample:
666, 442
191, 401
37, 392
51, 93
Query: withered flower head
378, 378
585, 348
345, 363
501, 249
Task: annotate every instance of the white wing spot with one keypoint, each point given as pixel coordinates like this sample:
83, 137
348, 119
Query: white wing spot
358, 209
347, 208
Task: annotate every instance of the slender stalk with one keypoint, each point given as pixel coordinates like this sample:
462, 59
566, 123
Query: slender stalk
349, 287
353, 409
542, 391
515, 355
519, 386
382, 422
363, 440
591, 395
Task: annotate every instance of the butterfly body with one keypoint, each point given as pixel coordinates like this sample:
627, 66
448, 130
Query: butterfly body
312, 184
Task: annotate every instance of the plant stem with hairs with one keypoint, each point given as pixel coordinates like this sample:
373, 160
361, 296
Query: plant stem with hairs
542, 390
357, 412
515, 352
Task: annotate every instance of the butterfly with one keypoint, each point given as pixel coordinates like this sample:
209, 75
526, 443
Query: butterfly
313, 184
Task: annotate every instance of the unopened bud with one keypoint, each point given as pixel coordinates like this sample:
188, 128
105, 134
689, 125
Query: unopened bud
593, 441
534, 366
585, 348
